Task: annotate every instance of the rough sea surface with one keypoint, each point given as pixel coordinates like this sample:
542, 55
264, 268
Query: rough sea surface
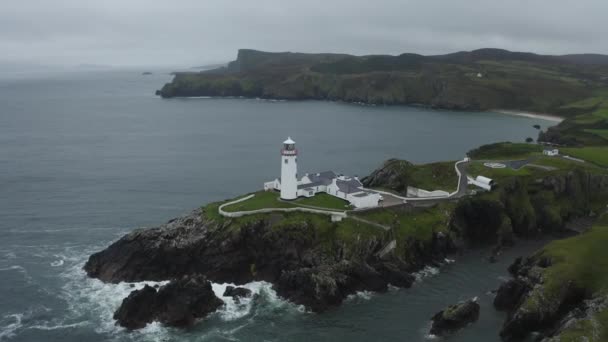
86, 156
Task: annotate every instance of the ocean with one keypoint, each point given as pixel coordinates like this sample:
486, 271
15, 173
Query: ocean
87, 156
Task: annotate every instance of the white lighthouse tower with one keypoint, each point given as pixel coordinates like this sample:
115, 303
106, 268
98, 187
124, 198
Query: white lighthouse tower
289, 170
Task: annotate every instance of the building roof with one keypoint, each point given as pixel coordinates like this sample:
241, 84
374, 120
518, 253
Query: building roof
289, 141
484, 180
349, 186
310, 185
326, 177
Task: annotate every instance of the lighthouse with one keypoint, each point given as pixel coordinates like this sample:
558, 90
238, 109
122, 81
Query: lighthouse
289, 170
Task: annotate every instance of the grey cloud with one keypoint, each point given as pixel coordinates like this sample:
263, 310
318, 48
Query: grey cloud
195, 32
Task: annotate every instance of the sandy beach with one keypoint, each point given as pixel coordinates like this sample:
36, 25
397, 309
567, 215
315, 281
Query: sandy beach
542, 116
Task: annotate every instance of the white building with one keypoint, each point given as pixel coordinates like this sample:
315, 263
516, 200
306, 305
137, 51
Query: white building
482, 182
289, 170
551, 153
349, 189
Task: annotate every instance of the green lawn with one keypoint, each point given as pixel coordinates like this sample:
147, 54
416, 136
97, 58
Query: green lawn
270, 199
505, 151
323, 200
419, 223
599, 132
261, 200
597, 155
434, 176
477, 168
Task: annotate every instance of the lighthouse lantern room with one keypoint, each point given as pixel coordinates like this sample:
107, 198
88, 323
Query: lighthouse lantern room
289, 170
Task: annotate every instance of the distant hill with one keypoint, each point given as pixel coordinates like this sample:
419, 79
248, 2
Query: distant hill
474, 80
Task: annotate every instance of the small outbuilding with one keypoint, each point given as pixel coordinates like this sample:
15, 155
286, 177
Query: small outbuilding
482, 182
551, 153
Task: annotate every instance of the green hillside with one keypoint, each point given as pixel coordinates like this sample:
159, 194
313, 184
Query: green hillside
477, 80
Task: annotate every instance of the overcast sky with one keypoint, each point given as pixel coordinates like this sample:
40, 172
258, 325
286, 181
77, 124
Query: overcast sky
198, 32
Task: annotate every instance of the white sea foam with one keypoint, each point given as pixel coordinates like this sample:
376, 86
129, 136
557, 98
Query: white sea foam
364, 295
233, 310
58, 326
57, 263
10, 255
92, 298
449, 261
9, 330
426, 272
14, 268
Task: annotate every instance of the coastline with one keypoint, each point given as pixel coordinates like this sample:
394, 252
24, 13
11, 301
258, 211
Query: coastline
542, 116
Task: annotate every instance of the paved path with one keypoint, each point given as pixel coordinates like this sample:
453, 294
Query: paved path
461, 190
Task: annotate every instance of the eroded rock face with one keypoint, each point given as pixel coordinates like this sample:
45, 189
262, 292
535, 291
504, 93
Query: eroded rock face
292, 258
530, 307
177, 304
455, 317
509, 294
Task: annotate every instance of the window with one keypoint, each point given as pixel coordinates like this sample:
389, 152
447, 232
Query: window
285, 160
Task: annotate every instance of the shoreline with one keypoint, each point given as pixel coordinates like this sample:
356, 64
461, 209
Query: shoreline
542, 116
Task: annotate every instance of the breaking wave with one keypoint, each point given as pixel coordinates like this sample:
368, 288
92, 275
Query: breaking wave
10, 324
426, 272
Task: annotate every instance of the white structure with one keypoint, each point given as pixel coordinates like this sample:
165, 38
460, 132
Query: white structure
347, 188
416, 192
551, 153
289, 170
482, 182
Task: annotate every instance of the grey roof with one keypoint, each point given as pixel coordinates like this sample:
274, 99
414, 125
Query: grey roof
319, 178
325, 177
310, 185
349, 186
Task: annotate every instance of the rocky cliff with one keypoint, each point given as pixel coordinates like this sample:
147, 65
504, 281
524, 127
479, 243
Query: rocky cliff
303, 255
560, 292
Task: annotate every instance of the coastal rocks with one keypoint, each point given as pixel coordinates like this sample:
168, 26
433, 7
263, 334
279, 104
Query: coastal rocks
533, 307
294, 258
455, 317
393, 174
236, 292
509, 294
322, 287
176, 304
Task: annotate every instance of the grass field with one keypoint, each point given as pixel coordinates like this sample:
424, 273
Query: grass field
477, 168
597, 155
420, 223
505, 151
261, 200
324, 201
599, 132
434, 176
270, 199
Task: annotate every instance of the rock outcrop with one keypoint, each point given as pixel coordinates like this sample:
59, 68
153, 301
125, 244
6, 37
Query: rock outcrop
294, 258
455, 317
531, 308
237, 292
177, 304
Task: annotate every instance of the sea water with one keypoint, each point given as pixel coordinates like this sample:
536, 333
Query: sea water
87, 156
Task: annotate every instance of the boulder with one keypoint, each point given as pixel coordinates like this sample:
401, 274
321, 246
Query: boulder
455, 317
177, 304
237, 292
509, 294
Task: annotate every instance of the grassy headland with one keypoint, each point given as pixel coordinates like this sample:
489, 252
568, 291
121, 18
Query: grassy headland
476, 80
